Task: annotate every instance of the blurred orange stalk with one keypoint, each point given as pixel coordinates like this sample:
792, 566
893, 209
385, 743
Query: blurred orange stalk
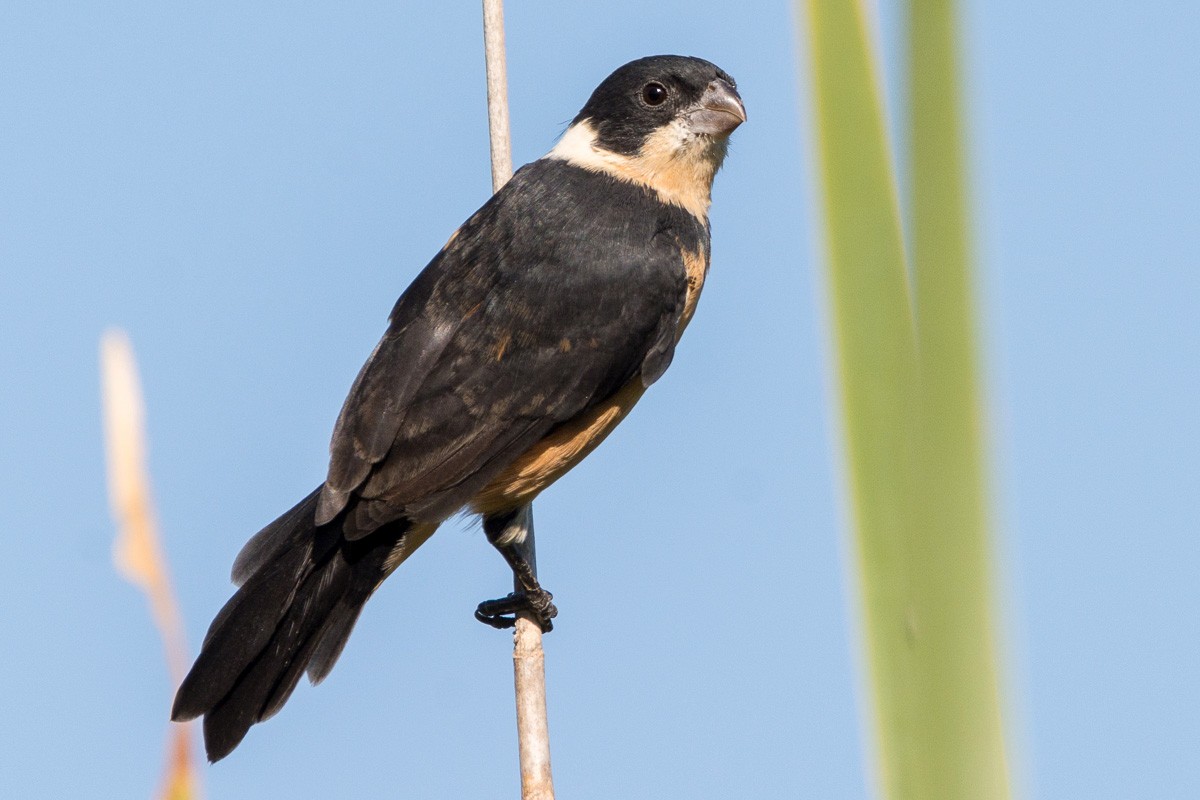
136, 552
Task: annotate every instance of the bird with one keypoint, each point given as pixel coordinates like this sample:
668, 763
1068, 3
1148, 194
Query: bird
520, 346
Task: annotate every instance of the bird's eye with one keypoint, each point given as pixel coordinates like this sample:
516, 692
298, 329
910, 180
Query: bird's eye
654, 94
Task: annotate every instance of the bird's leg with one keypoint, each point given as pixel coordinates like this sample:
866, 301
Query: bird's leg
512, 534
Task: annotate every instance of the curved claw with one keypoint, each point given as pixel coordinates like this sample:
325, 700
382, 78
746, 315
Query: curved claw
496, 620
502, 613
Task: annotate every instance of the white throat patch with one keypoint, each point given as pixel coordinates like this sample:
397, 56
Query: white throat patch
676, 164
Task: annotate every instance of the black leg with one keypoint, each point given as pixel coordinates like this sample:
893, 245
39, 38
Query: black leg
512, 535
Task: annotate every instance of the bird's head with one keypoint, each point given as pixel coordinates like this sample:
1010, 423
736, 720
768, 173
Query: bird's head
661, 121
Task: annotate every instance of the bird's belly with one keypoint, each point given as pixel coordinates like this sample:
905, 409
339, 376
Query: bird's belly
549, 459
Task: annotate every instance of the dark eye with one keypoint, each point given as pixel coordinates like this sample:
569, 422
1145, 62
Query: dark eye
654, 94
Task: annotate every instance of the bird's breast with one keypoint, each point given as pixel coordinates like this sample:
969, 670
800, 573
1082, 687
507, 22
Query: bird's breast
695, 263
571, 442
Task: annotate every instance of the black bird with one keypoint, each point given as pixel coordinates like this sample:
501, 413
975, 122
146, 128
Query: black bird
521, 345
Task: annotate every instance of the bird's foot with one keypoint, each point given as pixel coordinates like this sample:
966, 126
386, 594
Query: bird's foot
503, 613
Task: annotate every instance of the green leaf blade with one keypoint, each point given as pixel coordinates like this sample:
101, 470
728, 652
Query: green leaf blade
910, 409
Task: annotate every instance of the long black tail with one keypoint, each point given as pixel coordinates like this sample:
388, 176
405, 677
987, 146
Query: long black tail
302, 588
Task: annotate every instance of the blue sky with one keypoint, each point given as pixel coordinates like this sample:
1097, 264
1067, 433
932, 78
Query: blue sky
247, 189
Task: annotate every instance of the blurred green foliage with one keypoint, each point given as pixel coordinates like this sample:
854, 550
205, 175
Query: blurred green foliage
904, 333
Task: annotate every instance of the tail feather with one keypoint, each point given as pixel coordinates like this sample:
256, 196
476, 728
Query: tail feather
256, 553
240, 631
268, 681
333, 638
302, 589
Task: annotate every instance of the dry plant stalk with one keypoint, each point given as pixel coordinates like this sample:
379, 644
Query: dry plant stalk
136, 552
529, 677
497, 92
529, 663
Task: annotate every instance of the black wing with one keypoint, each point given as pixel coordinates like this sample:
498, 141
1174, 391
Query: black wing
547, 301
